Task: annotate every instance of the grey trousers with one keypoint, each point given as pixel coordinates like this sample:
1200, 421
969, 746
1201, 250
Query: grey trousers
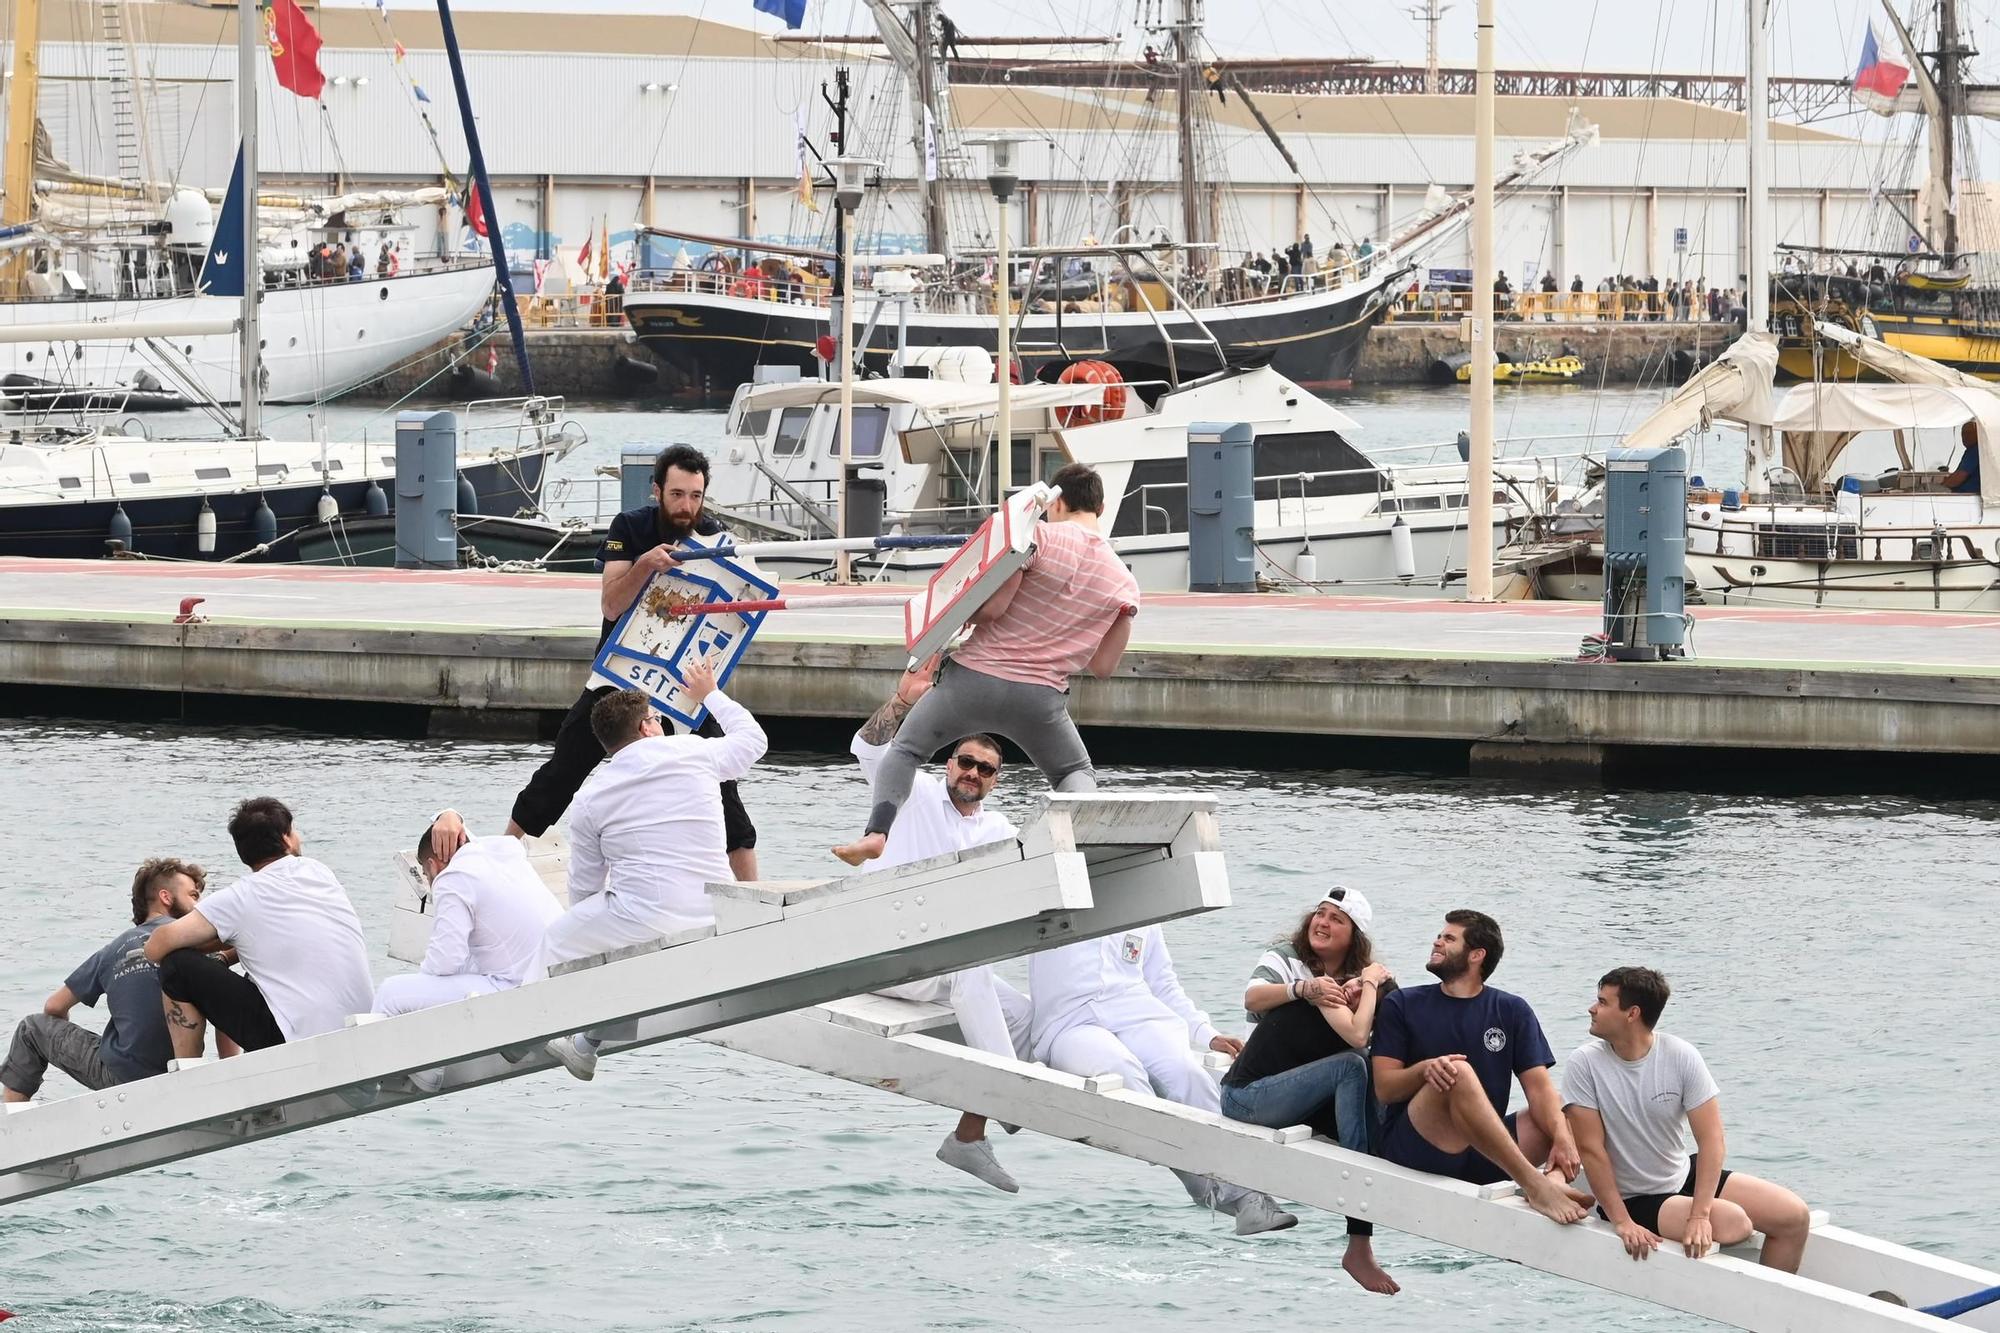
41, 1041
964, 701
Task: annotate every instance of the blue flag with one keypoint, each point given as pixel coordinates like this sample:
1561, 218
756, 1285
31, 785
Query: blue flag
793, 12
418, 89
223, 269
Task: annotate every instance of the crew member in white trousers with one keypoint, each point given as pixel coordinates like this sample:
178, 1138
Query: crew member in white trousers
646, 834
1115, 1006
946, 814
489, 910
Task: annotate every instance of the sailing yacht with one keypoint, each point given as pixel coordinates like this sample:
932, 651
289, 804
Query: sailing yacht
1162, 298
78, 249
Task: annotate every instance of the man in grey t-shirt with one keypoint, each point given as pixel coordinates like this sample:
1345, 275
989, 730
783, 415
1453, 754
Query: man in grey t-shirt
134, 1044
1631, 1094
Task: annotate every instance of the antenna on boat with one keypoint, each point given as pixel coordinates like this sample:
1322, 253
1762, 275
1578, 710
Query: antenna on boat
248, 23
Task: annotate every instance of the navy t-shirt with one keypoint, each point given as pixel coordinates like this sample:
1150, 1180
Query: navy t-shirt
637, 531
1496, 1031
135, 1042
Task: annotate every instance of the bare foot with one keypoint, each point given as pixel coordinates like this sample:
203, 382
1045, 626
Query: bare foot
864, 848
1553, 1201
1361, 1266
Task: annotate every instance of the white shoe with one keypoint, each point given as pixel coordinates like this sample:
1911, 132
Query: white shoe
426, 1080
1260, 1212
976, 1159
583, 1064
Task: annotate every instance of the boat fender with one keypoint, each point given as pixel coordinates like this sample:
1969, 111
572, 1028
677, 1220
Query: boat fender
1403, 548
326, 509
204, 530
1305, 567
121, 527
376, 500
264, 523
468, 498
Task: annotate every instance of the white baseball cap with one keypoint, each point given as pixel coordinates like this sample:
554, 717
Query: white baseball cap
1351, 902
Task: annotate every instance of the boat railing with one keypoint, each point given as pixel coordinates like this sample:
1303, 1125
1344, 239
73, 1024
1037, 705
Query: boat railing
1552, 307
750, 286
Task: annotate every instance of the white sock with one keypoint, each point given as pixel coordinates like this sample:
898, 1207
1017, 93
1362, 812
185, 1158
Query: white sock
585, 1043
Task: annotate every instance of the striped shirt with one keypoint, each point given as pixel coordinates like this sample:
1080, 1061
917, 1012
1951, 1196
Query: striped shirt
1278, 967
1073, 589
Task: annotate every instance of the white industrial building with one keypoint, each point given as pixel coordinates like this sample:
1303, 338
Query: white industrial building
590, 121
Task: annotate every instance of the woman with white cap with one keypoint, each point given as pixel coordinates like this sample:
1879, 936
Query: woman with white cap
1313, 997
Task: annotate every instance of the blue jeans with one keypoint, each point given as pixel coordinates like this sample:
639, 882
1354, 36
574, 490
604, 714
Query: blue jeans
1298, 1096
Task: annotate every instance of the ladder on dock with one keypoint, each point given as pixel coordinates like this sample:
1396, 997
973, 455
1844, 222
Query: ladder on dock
1091, 865
903, 1047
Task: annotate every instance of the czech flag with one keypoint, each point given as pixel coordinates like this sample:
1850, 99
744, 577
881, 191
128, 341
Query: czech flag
1878, 81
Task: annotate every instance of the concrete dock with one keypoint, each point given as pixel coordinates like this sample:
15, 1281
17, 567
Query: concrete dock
494, 653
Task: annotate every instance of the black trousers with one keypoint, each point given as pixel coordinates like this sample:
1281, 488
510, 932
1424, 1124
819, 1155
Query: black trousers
228, 1000
555, 784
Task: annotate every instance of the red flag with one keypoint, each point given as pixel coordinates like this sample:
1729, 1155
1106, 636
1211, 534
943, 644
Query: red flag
295, 47
583, 255
475, 210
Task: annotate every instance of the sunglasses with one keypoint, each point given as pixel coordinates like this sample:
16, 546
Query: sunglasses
966, 764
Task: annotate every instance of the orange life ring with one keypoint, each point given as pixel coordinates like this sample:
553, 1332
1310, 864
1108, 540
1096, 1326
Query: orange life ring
749, 288
1089, 414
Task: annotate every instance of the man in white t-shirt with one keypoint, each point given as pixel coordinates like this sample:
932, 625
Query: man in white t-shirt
489, 912
647, 835
294, 931
946, 814
1631, 1094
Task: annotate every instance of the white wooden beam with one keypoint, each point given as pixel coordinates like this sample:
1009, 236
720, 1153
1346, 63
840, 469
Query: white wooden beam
1101, 1113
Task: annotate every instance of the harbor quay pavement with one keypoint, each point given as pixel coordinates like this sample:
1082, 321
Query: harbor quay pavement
1503, 679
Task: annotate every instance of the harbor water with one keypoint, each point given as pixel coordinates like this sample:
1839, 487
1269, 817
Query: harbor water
1825, 955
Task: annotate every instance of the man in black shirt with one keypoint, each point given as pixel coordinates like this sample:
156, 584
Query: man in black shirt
638, 545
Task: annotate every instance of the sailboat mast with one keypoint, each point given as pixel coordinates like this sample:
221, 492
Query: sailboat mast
1479, 457
930, 126
1951, 87
249, 26
1756, 183
1191, 221
19, 181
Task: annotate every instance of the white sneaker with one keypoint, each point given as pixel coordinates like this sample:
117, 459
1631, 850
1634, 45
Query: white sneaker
1260, 1212
583, 1064
976, 1159
426, 1080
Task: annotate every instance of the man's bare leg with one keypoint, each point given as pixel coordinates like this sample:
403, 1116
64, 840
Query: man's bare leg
743, 864
1463, 1118
1359, 1264
971, 1128
1535, 1146
1777, 1212
224, 1047
186, 1027
864, 848
8, 1095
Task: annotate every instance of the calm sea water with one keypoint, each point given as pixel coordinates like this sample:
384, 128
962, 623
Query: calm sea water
1826, 955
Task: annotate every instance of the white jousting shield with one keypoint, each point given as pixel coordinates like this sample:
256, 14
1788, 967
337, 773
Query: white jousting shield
988, 559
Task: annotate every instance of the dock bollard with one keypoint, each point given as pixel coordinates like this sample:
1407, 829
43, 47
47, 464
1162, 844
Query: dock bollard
427, 490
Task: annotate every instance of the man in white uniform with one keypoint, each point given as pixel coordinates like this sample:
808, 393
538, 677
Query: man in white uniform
946, 815
646, 835
489, 913
1114, 1006
293, 929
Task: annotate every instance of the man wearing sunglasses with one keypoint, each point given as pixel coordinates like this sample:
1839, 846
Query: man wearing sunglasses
945, 814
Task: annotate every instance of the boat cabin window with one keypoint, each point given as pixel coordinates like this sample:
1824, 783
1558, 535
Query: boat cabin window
141, 478
1333, 467
70, 483
871, 425
389, 462
334, 465
754, 424
211, 474
271, 469
791, 439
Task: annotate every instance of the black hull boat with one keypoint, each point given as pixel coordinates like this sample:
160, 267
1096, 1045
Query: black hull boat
710, 342
484, 542
165, 527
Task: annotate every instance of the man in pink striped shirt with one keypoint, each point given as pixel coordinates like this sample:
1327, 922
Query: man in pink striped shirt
1068, 609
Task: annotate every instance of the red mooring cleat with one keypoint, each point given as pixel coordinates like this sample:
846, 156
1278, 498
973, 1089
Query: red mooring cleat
187, 616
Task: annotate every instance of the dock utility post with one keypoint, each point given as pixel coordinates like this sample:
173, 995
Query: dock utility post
1645, 554
427, 490
1222, 506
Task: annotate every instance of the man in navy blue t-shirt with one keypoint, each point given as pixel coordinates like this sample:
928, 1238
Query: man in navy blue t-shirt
1443, 1057
134, 1044
638, 544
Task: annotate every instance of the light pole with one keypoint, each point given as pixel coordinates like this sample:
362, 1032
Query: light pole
850, 175
1000, 178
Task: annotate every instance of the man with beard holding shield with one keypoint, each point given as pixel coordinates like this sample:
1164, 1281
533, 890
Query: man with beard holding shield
638, 545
